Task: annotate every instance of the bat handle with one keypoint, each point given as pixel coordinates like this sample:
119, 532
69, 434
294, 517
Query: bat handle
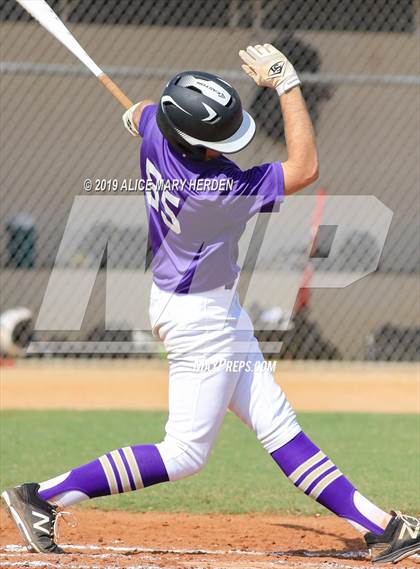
115, 90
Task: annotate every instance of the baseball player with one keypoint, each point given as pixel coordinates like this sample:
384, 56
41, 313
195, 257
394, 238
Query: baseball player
198, 203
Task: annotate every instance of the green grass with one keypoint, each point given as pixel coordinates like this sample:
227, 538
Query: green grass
379, 453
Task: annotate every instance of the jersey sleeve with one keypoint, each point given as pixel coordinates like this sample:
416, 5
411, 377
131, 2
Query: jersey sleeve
147, 115
260, 188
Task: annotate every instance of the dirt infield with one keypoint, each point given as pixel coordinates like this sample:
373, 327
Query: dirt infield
180, 541
311, 386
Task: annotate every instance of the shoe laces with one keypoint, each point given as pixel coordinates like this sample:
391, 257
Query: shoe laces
67, 517
410, 521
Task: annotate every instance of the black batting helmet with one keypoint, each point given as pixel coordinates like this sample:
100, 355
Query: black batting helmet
198, 110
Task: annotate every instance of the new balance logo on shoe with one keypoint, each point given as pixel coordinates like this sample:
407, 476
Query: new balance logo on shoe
411, 527
43, 520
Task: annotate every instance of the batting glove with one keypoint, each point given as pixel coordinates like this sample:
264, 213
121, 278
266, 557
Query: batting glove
127, 119
269, 67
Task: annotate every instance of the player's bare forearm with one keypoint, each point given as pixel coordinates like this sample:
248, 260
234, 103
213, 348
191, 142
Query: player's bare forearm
301, 167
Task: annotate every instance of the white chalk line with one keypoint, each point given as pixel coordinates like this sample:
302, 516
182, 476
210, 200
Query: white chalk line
284, 563
134, 550
41, 564
156, 551
303, 565
118, 552
31, 554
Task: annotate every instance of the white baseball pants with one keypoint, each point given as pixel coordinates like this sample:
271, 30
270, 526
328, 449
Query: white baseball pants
215, 364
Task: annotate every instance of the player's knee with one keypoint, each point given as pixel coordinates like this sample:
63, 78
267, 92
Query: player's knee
195, 459
274, 433
182, 458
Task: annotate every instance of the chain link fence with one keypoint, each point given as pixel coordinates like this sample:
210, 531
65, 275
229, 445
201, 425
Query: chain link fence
359, 63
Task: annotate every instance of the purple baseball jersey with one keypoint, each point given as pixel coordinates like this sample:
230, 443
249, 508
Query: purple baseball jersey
198, 210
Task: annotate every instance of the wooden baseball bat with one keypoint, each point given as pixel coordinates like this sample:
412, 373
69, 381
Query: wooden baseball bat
45, 15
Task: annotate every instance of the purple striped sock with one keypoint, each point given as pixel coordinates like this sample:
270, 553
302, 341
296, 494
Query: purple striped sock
315, 474
122, 470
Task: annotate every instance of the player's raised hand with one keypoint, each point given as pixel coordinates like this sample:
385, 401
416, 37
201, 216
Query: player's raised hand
269, 67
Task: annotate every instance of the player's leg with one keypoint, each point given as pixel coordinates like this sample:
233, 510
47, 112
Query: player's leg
198, 399
262, 405
121, 470
198, 403
201, 384
318, 477
389, 537
35, 507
